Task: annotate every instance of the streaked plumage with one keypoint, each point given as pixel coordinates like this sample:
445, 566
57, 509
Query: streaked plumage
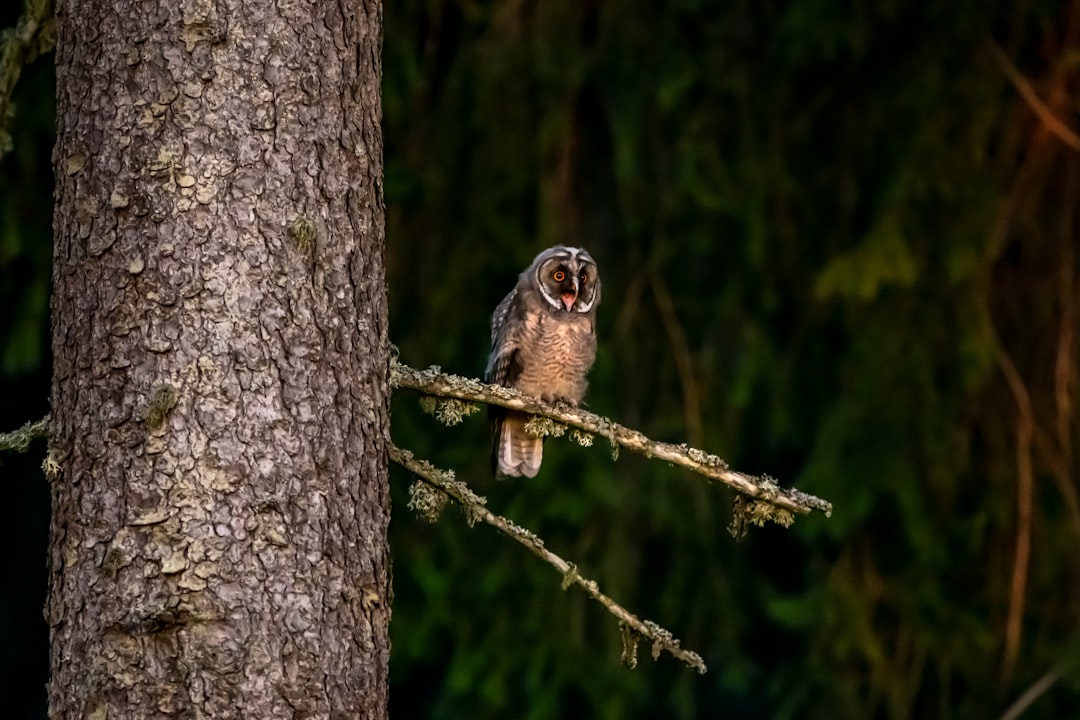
543, 342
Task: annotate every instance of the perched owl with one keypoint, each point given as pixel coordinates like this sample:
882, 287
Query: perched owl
543, 342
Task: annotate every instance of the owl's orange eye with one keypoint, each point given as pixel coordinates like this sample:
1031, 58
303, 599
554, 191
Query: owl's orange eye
584, 278
559, 275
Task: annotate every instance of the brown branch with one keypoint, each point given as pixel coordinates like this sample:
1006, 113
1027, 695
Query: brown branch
1027, 92
1058, 450
662, 640
1065, 365
763, 490
1025, 432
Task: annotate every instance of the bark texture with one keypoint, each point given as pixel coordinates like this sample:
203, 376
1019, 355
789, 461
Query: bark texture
220, 397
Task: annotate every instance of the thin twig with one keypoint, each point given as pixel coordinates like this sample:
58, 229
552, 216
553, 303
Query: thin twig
1027, 92
1057, 449
1046, 681
474, 505
1065, 362
434, 382
1025, 432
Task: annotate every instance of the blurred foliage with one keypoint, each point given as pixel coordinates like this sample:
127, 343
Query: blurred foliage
836, 247
822, 228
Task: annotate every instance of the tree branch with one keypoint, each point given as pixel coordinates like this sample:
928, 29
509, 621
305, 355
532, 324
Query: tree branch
1046, 681
1025, 481
1052, 122
662, 640
764, 500
769, 500
19, 440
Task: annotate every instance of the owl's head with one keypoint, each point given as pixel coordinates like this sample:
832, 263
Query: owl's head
567, 279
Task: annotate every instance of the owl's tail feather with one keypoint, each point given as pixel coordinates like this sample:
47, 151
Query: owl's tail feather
516, 452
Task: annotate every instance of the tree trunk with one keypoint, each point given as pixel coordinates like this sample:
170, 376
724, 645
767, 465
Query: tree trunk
220, 397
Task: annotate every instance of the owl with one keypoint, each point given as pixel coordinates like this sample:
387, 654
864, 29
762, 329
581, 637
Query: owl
543, 342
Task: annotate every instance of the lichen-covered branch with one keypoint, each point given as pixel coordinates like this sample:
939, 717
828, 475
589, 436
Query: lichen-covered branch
19, 440
34, 34
768, 501
474, 505
764, 500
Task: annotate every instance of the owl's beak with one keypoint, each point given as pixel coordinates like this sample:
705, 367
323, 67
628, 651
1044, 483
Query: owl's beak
569, 298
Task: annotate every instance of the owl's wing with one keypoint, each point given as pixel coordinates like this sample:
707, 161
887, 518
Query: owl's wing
504, 362
513, 452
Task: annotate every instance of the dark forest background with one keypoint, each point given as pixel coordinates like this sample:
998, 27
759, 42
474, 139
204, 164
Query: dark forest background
839, 245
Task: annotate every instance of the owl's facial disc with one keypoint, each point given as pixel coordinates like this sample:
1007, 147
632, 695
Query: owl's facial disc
566, 279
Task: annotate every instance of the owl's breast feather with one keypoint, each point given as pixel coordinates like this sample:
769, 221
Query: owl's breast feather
556, 356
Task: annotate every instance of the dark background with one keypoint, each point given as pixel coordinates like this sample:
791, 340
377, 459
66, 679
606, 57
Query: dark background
837, 247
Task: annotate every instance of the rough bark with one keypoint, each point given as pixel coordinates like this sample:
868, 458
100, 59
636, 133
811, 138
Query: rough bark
220, 414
